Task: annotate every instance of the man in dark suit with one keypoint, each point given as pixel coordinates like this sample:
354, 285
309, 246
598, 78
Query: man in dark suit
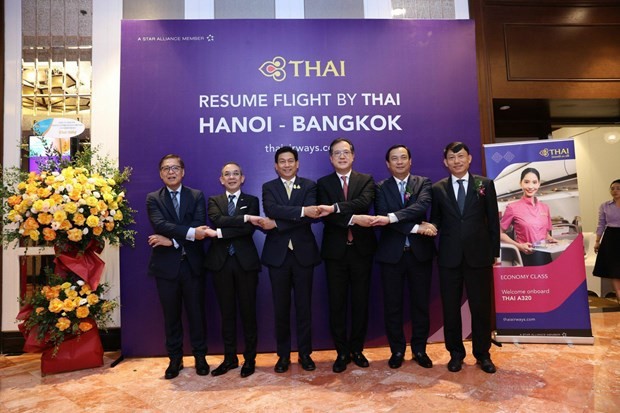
465, 213
234, 261
345, 196
177, 214
405, 254
291, 253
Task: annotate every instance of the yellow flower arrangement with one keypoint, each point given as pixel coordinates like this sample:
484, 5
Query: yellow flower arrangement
68, 204
61, 309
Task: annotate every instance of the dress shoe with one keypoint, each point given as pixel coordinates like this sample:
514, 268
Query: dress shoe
423, 359
340, 364
282, 365
228, 364
248, 368
487, 366
306, 362
455, 364
396, 360
202, 367
176, 365
359, 359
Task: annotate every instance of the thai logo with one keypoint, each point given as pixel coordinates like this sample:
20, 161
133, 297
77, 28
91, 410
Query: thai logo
302, 68
274, 69
555, 153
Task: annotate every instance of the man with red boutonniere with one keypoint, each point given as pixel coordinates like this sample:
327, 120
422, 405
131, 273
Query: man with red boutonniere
406, 253
465, 213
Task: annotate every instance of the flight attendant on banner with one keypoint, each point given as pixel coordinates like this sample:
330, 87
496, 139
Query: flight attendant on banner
531, 221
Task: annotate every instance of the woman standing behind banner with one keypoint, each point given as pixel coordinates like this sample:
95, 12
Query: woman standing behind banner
608, 260
530, 220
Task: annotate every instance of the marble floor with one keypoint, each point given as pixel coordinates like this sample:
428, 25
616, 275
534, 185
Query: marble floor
530, 378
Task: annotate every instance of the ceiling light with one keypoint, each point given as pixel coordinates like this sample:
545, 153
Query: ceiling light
399, 12
505, 107
612, 137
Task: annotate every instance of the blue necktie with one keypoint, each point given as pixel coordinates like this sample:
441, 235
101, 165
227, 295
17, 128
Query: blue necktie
402, 191
231, 212
175, 203
461, 195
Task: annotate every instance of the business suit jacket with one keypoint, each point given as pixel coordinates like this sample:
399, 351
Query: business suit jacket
361, 195
165, 261
413, 212
290, 225
234, 231
473, 234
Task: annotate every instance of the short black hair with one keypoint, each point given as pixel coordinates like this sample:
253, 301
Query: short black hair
232, 163
455, 147
617, 181
391, 148
337, 141
172, 156
286, 149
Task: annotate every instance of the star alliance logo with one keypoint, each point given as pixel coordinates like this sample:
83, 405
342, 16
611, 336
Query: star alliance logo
274, 69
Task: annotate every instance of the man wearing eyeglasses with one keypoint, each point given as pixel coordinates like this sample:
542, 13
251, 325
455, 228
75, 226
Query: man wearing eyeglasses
345, 197
234, 261
178, 215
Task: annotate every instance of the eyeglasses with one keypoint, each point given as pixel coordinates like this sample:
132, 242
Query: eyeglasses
233, 173
338, 154
173, 168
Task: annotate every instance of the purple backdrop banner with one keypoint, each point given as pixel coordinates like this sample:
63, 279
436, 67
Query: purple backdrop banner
236, 90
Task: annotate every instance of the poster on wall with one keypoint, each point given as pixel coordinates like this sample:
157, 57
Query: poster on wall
540, 287
215, 91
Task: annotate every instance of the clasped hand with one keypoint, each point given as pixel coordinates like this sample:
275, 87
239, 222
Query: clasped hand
265, 223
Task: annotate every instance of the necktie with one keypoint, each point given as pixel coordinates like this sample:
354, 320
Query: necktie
345, 189
461, 195
231, 212
401, 184
175, 203
288, 187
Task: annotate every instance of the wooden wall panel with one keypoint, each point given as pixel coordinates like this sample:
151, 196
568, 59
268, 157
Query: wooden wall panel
552, 52
562, 52
545, 49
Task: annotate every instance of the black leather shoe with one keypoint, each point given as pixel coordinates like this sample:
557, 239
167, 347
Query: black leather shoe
248, 368
282, 365
455, 364
306, 362
202, 367
340, 364
396, 360
359, 359
176, 365
423, 359
228, 364
487, 366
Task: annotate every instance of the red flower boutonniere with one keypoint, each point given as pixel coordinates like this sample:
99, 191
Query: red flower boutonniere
480, 189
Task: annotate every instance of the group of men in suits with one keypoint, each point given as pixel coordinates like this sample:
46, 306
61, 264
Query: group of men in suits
464, 212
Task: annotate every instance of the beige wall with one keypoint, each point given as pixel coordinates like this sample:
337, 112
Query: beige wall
597, 166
